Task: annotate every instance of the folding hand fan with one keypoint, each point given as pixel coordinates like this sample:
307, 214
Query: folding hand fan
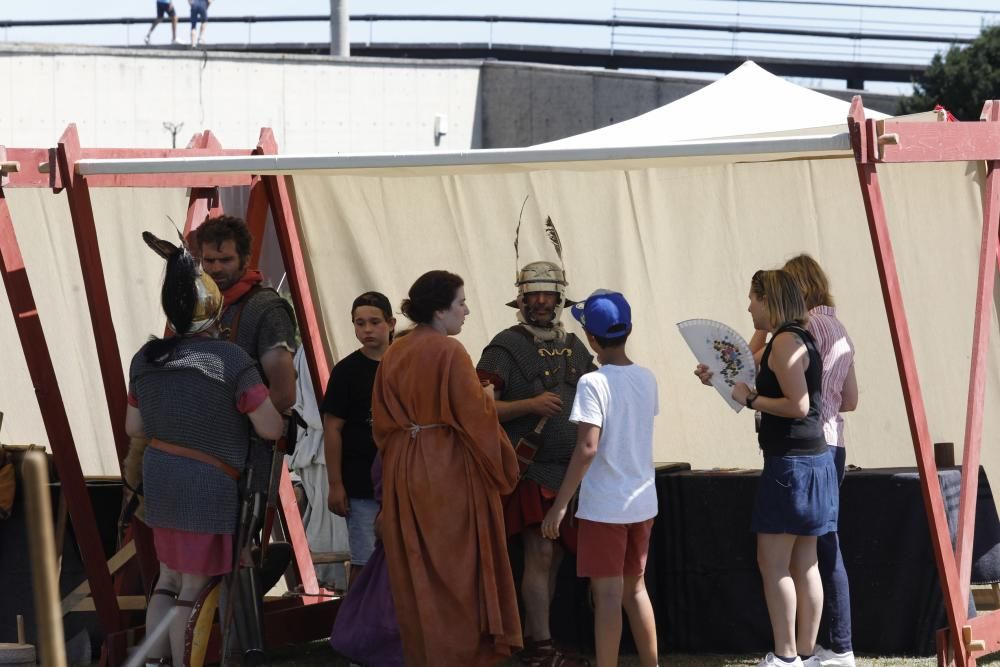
724, 351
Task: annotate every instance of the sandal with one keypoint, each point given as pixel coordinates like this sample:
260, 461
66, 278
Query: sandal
543, 653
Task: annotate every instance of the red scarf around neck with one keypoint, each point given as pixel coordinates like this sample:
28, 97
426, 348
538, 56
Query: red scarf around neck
238, 290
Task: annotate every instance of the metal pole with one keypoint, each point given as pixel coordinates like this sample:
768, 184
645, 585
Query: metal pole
340, 39
43, 560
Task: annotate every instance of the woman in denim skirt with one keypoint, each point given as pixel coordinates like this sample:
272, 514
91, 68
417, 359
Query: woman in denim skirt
797, 498
840, 394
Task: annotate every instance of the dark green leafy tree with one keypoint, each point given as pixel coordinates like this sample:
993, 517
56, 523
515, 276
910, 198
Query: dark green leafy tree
960, 80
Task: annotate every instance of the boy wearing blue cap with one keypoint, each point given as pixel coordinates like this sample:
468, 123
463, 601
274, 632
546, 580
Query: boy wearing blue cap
614, 410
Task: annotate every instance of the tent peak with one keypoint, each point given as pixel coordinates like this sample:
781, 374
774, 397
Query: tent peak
749, 101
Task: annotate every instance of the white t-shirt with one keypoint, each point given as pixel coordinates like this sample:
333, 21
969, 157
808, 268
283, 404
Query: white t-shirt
619, 486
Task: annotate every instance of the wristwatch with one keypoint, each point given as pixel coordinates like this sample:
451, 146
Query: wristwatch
751, 397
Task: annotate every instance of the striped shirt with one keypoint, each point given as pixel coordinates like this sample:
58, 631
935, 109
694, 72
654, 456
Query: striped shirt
837, 351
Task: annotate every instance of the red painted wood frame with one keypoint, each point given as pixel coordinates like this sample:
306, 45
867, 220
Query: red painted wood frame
50, 402
52, 168
55, 168
270, 193
892, 141
77, 189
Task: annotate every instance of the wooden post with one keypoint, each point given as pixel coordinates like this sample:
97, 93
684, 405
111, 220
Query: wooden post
105, 336
95, 286
294, 259
309, 329
977, 372
45, 578
203, 202
53, 411
257, 211
864, 141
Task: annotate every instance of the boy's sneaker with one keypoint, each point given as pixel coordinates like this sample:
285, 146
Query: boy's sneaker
147, 39
828, 658
812, 661
771, 661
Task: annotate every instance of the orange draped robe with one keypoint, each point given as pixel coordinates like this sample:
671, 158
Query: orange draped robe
442, 519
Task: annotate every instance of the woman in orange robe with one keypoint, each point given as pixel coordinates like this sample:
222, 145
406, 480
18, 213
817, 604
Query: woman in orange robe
446, 463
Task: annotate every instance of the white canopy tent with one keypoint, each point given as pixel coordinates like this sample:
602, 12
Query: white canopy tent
748, 101
678, 221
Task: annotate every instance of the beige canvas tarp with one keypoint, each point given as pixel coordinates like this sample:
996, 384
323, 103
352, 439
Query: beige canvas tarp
681, 240
45, 235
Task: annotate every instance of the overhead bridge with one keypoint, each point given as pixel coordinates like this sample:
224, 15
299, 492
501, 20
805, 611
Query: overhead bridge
855, 74
852, 72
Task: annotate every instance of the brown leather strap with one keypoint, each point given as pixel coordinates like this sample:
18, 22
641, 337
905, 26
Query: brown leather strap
528, 445
165, 591
188, 453
234, 325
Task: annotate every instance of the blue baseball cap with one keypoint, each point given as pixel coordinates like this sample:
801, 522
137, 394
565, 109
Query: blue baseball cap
605, 314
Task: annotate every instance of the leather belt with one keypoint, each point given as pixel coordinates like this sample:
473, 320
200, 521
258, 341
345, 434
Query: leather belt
196, 455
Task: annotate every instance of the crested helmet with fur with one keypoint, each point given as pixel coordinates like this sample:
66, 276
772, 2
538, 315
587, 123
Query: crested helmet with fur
208, 298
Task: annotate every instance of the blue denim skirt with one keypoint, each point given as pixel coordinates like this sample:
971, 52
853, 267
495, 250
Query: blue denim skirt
798, 495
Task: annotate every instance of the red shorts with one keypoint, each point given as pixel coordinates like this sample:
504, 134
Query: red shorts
612, 549
527, 506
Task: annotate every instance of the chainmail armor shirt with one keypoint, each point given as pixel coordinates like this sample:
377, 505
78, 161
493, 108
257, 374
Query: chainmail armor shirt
192, 401
267, 322
529, 367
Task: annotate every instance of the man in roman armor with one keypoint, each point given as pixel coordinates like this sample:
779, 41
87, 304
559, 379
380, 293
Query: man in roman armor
192, 466
261, 322
534, 367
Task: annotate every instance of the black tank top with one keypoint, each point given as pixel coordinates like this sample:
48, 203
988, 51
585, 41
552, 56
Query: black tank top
786, 436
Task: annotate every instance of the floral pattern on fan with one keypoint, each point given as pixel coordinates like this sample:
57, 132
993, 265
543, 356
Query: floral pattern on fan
732, 360
724, 352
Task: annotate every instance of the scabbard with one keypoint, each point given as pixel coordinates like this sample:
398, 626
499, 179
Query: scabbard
232, 580
277, 461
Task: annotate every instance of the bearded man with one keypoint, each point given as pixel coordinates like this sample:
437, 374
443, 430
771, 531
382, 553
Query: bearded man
534, 367
260, 321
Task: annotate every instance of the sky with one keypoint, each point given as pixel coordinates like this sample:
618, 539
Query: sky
904, 17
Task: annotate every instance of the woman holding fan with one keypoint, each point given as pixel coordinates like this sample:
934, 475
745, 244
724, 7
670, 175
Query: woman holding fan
797, 498
840, 394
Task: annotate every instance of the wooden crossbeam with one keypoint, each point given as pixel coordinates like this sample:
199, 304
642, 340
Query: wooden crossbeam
330, 557
125, 603
985, 626
75, 597
901, 141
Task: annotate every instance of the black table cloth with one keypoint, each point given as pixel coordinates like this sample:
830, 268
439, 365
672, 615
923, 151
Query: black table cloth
707, 591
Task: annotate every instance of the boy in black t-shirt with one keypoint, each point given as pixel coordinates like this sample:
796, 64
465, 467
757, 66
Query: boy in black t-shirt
347, 431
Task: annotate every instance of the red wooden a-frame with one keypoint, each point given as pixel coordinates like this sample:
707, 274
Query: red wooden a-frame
893, 141
291, 620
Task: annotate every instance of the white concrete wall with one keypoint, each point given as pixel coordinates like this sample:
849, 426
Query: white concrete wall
313, 104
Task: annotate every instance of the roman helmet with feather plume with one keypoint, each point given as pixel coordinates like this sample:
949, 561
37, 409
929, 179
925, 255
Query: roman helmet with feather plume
540, 276
207, 303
